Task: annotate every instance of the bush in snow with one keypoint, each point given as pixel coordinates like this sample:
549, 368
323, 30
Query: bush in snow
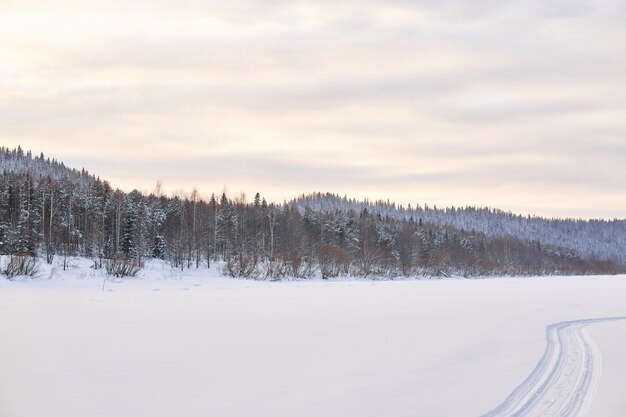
241, 266
21, 265
298, 266
273, 269
333, 261
120, 266
291, 265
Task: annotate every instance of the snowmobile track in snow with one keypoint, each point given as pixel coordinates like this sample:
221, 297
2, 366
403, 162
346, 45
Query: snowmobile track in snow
566, 378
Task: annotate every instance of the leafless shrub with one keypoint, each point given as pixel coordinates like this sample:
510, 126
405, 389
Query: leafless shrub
21, 265
241, 266
274, 269
121, 266
367, 262
333, 261
298, 266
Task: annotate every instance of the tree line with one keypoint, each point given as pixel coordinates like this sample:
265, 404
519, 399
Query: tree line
53, 213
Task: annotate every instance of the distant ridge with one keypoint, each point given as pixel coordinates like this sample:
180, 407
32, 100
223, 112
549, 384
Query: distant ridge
603, 239
19, 162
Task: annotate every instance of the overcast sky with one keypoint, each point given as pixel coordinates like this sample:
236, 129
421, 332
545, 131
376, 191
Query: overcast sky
518, 104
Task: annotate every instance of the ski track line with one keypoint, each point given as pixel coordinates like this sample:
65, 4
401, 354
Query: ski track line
566, 378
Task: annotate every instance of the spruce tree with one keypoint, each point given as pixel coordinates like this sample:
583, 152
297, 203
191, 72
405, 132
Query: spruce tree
128, 245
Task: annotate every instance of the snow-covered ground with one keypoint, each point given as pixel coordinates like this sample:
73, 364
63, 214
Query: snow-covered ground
195, 344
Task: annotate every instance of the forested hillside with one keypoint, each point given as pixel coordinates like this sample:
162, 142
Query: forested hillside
17, 161
48, 210
603, 239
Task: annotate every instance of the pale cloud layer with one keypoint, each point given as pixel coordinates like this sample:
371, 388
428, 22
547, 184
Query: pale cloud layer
519, 105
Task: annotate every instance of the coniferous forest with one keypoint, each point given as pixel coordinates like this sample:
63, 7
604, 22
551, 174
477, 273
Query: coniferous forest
49, 211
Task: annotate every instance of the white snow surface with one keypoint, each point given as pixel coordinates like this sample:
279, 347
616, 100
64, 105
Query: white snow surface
192, 343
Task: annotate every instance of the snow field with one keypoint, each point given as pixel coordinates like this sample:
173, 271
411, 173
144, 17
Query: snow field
195, 344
